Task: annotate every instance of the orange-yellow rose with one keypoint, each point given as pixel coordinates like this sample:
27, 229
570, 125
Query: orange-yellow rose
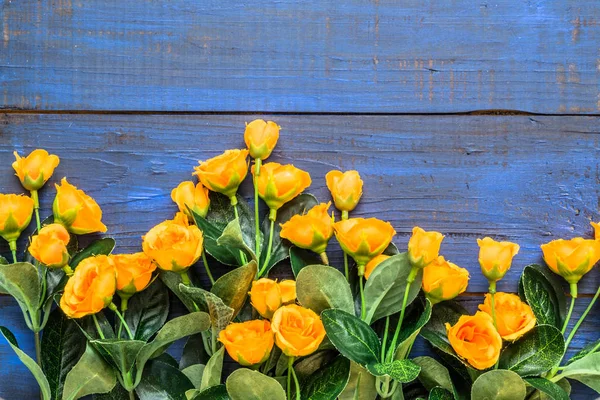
173, 245
195, 197
311, 231
475, 340
596, 226
573, 258
77, 211
288, 291
278, 184
50, 246
423, 247
514, 318
35, 169
261, 137
224, 173
134, 273
345, 187
495, 257
91, 288
248, 343
443, 280
15, 215
265, 296
371, 265
363, 239
298, 330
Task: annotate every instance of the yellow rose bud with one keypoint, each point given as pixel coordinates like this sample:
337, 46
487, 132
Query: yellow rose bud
134, 273
265, 296
573, 258
261, 137
91, 288
298, 330
248, 343
77, 211
288, 291
50, 246
311, 231
195, 197
375, 261
423, 247
443, 280
514, 318
173, 245
224, 173
35, 169
475, 340
363, 239
495, 257
596, 226
15, 215
345, 187
278, 184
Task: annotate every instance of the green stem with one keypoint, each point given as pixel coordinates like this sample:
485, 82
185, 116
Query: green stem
296, 384
185, 279
38, 348
363, 308
573, 287
257, 164
270, 245
13, 249
385, 335
114, 308
324, 258
346, 267
289, 378
580, 320
124, 303
213, 339
36, 207
120, 327
492, 291
234, 202
98, 326
205, 262
409, 280
131, 395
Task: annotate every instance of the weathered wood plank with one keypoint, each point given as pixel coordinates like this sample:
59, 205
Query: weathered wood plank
367, 56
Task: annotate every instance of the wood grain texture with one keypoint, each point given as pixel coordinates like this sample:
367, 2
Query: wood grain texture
365, 56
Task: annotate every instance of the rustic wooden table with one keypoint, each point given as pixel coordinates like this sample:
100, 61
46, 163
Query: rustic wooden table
471, 118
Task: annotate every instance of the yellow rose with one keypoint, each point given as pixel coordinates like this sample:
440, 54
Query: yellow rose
311, 231
77, 211
15, 215
375, 261
224, 173
443, 280
475, 340
50, 246
265, 296
363, 239
248, 343
298, 330
261, 137
495, 257
134, 273
35, 169
288, 291
346, 189
173, 245
423, 247
278, 184
573, 258
91, 287
195, 197
514, 318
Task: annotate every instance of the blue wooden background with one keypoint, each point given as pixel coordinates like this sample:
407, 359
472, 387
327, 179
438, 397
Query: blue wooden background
471, 118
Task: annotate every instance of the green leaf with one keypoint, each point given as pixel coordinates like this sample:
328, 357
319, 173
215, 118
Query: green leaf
213, 370
211, 234
403, 371
221, 213
21, 281
163, 381
410, 330
103, 246
300, 258
545, 297
306, 366
88, 327
28, 362
384, 290
351, 336
439, 393
585, 370
536, 352
328, 382
361, 385
587, 349
232, 238
117, 393
220, 314
172, 280
499, 385
213, 393
147, 311
90, 375
554, 391
120, 353
194, 374
280, 250
433, 374
193, 352
62, 346
320, 287
233, 287
245, 384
